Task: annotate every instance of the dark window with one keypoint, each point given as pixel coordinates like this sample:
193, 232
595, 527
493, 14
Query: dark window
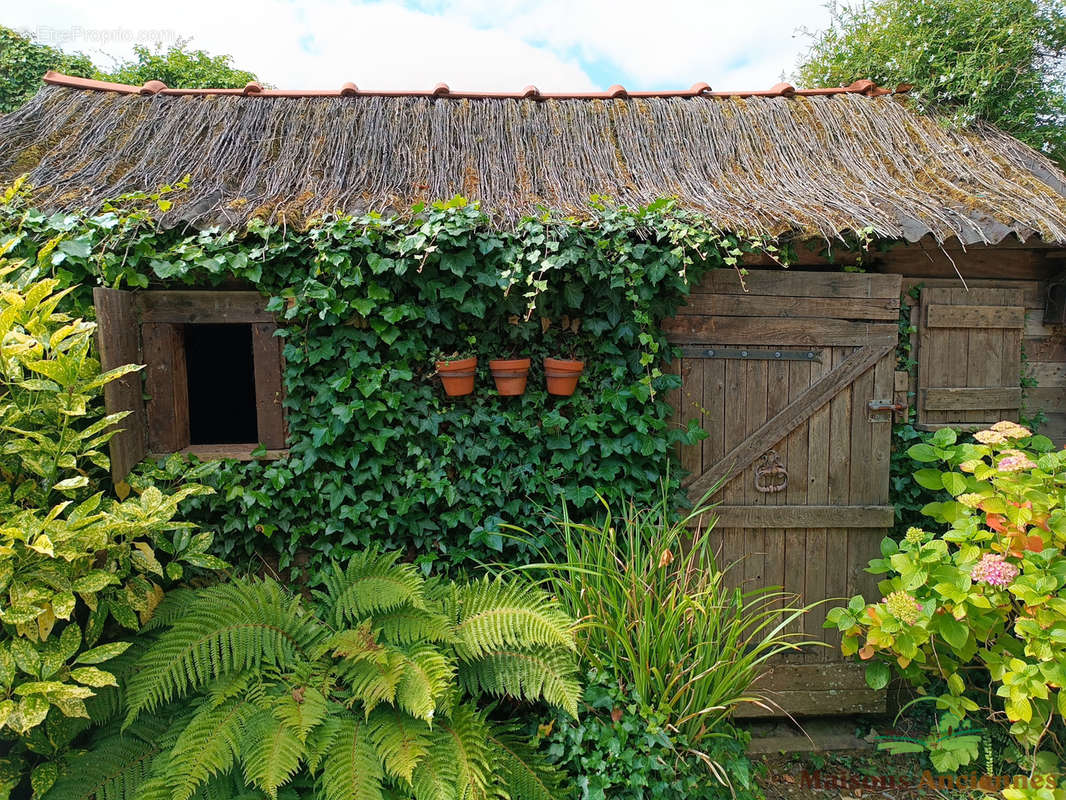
221, 374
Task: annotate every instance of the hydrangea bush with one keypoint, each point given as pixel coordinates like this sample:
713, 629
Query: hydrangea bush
979, 602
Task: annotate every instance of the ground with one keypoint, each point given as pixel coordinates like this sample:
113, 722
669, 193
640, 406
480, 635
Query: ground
838, 761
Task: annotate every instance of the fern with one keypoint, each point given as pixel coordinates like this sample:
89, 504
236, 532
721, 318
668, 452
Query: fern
401, 741
224, 629
208, 746
537, 674
116, 767
368, 694
519, 767
270, 753
351, 768
427, 676
302, 709
465, 736
373, 582
493, 615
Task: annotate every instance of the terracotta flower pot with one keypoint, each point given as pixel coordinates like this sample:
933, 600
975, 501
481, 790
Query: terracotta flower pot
510, 375
562, 375
457, 376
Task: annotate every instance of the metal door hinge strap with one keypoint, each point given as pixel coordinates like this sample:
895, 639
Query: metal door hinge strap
691, 351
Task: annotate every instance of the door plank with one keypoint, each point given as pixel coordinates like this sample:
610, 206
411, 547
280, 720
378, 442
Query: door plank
835, 516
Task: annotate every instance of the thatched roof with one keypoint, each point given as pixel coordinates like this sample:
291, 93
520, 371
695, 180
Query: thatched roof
781, 161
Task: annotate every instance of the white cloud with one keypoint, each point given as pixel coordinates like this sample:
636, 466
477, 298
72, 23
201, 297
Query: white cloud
469, 44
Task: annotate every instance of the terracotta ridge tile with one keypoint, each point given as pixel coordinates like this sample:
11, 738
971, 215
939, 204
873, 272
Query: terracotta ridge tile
616, 92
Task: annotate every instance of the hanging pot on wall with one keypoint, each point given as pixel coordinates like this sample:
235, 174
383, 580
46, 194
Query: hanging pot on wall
562, 375
510, 375
457, 376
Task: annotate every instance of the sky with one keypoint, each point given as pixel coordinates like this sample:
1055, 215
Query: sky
498, 45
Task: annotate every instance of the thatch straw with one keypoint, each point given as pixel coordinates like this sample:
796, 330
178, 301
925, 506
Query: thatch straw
814, 165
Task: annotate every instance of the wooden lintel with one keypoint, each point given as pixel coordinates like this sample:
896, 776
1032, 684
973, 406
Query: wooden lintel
203, 308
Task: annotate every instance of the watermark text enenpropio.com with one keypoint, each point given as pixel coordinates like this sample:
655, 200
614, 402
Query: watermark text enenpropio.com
77, 34
973, 781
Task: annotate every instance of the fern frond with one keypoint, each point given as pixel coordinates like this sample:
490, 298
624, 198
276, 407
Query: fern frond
358, 644
493, 615
521, 773
401, 741
115, 768
427, 675
373, 582
271, 752
319, 740
207, 746
539, 674
351, 769
466, 736
407, 625
372, 682
435, 776
226, 628
302, 709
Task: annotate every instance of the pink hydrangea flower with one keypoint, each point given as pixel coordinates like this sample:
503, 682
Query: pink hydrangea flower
994, 571
1015, 461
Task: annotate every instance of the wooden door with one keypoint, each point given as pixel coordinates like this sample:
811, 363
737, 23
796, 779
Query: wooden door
787, 374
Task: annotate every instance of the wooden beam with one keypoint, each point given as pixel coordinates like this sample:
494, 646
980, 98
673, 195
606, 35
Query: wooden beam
118, 341
972, 398
269, 393
781, 424
1050, 400
805, 516
945, 316
738, 305
1046, 374
204, 308
772, 331
778, 281
217, 452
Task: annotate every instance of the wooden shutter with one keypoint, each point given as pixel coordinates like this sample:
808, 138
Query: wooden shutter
117, 337
969, 356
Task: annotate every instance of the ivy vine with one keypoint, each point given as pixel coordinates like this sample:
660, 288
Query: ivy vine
377, 452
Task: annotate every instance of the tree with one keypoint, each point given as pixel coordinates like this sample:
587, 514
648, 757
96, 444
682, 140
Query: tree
22, 63
181, 67
994, 61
